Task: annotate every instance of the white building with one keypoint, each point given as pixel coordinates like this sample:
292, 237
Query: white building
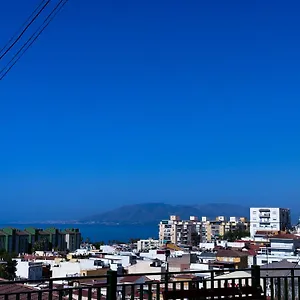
32, 270
269, 219
143, 245
282, 246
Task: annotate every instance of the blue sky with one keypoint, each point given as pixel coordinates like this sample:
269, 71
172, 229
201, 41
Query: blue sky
134, 101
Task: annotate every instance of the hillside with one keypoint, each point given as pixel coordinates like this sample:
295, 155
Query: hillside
150, 213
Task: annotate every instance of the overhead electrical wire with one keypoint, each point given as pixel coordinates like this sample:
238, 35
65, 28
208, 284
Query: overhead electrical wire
32, 39
24, 30
23, 25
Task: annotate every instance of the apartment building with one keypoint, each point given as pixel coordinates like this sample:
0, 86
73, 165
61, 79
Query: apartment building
180, 232
269, 219
15, 240
144, 245
216, 229
58, 239
19, 241
73, 238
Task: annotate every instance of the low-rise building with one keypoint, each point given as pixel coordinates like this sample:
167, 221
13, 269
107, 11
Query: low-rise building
282, 246
238, 259
145, 245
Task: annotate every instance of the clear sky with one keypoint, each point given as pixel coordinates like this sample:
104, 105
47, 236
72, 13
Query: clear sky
151, 101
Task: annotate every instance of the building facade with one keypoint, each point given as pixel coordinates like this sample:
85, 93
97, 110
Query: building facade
282, 247
216, 229
180, 232
73, 238
269, 219
13, 240
144, 245
193, 232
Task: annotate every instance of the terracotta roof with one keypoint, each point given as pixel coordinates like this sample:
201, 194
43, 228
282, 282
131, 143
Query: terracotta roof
287, 236
37, 257
185, 276
266, 232
251, 252
230, 253
14, 288
132, 279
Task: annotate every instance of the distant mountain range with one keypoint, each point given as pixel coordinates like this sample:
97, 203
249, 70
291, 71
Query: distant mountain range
152, 213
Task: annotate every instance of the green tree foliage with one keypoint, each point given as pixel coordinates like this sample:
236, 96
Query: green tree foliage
196, 239
133, 240
8, 266
41, 245
98, 244
232, 236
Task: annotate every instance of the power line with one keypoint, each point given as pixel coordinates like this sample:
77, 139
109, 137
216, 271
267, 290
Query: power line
33, 37
24, 30
28, 19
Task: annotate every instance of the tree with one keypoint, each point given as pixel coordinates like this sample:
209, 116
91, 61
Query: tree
98, 244
133, 240
41, 245
195, 239
8, 267
232, 236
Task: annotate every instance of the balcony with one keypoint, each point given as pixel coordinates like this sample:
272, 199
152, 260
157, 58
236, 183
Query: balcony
138, 287
264, 215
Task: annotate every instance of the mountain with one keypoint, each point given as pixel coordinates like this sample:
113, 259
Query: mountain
149, 213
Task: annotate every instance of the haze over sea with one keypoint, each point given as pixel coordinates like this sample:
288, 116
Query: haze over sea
99, 232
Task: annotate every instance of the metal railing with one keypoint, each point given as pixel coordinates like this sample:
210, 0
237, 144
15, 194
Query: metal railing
277, 284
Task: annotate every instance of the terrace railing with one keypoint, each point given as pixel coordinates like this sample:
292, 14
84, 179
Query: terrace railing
277, 284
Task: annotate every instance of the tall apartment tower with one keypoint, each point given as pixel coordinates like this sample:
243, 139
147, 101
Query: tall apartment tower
269, 219
177, 231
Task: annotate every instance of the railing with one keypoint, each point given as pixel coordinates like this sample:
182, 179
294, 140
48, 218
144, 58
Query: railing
277, 284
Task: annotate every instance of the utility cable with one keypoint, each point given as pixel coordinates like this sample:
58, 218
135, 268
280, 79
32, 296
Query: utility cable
33, 38
24, 24
24, 30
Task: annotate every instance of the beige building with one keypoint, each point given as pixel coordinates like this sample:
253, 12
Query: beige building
238, 259
216, 229
180, 232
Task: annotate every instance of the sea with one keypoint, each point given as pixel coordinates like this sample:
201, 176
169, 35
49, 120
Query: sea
99, 232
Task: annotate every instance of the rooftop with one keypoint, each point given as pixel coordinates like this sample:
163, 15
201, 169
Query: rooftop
231, 253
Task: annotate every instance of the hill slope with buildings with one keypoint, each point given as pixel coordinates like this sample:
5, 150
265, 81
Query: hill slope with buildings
150, 213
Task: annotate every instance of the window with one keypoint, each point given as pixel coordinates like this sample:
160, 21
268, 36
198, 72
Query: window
264, 261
